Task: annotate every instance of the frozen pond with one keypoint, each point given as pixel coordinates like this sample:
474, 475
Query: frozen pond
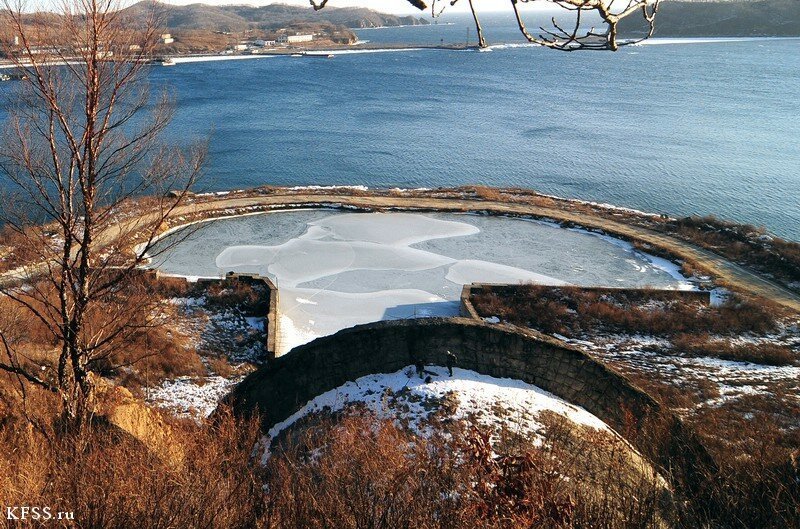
336, 269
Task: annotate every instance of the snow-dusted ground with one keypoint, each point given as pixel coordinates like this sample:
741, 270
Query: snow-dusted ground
402, 396
656, 358
215, 333
191, 397
335, 270
224, 331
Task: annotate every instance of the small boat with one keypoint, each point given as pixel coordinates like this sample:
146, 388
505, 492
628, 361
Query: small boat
296, 55
322, 54
5, 77
168, 61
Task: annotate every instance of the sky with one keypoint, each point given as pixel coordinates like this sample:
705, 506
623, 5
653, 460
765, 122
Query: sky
398, 7
384, 6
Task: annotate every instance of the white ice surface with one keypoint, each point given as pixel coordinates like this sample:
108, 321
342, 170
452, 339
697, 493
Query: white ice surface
303, 259
306, 314
397, 229
334, 270
471, 271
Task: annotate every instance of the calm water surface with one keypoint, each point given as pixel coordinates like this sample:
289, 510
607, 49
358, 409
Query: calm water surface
678, 128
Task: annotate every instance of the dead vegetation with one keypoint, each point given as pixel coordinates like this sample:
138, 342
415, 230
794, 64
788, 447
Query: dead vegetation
108, 479
163, 341
356, 471
758, 353
573, 311
360, 472
743, 243
752, 435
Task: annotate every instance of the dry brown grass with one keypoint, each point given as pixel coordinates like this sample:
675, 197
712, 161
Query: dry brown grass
357, 472
742, 243
109, 480
755, 443
360, 472
760, 353
147, 351
16, 250
571, 311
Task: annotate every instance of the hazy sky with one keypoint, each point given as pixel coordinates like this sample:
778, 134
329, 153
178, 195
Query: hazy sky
386, 6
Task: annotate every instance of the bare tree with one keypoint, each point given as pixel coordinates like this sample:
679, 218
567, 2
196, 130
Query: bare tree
579, 34
84, 138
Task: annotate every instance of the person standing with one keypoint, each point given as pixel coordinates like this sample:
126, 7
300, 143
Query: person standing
451, 361
420, 367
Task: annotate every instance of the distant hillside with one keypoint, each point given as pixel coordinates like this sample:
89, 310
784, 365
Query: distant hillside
733, 18
242, 17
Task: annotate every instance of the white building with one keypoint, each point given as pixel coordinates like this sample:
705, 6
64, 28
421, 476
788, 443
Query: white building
166, 38
294, 39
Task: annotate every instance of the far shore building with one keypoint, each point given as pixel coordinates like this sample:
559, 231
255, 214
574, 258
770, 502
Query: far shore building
294, 39
166, 38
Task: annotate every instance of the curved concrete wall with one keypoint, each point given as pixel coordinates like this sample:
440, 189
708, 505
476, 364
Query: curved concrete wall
283, 386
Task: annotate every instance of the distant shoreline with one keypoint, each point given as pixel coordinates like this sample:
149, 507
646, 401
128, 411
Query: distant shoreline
401, 47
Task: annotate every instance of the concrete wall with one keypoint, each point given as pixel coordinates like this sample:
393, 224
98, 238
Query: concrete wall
283, 386
272, 335
271, 317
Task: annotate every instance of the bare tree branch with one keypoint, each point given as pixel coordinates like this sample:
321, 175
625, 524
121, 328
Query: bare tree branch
82, 141
577, 37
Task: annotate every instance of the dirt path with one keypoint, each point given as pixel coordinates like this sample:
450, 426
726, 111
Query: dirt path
731, 273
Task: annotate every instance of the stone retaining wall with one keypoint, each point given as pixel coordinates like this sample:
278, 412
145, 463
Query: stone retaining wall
283, 386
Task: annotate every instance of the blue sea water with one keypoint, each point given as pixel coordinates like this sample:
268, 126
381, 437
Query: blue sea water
683, 128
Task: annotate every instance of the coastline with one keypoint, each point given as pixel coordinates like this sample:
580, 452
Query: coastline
642, 230
597, 219
668, 266
369, 47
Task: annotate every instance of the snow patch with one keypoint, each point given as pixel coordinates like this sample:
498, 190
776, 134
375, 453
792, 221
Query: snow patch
405, 398
193, 397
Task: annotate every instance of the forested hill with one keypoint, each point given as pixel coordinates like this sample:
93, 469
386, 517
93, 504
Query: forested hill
241, 17
732, 18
